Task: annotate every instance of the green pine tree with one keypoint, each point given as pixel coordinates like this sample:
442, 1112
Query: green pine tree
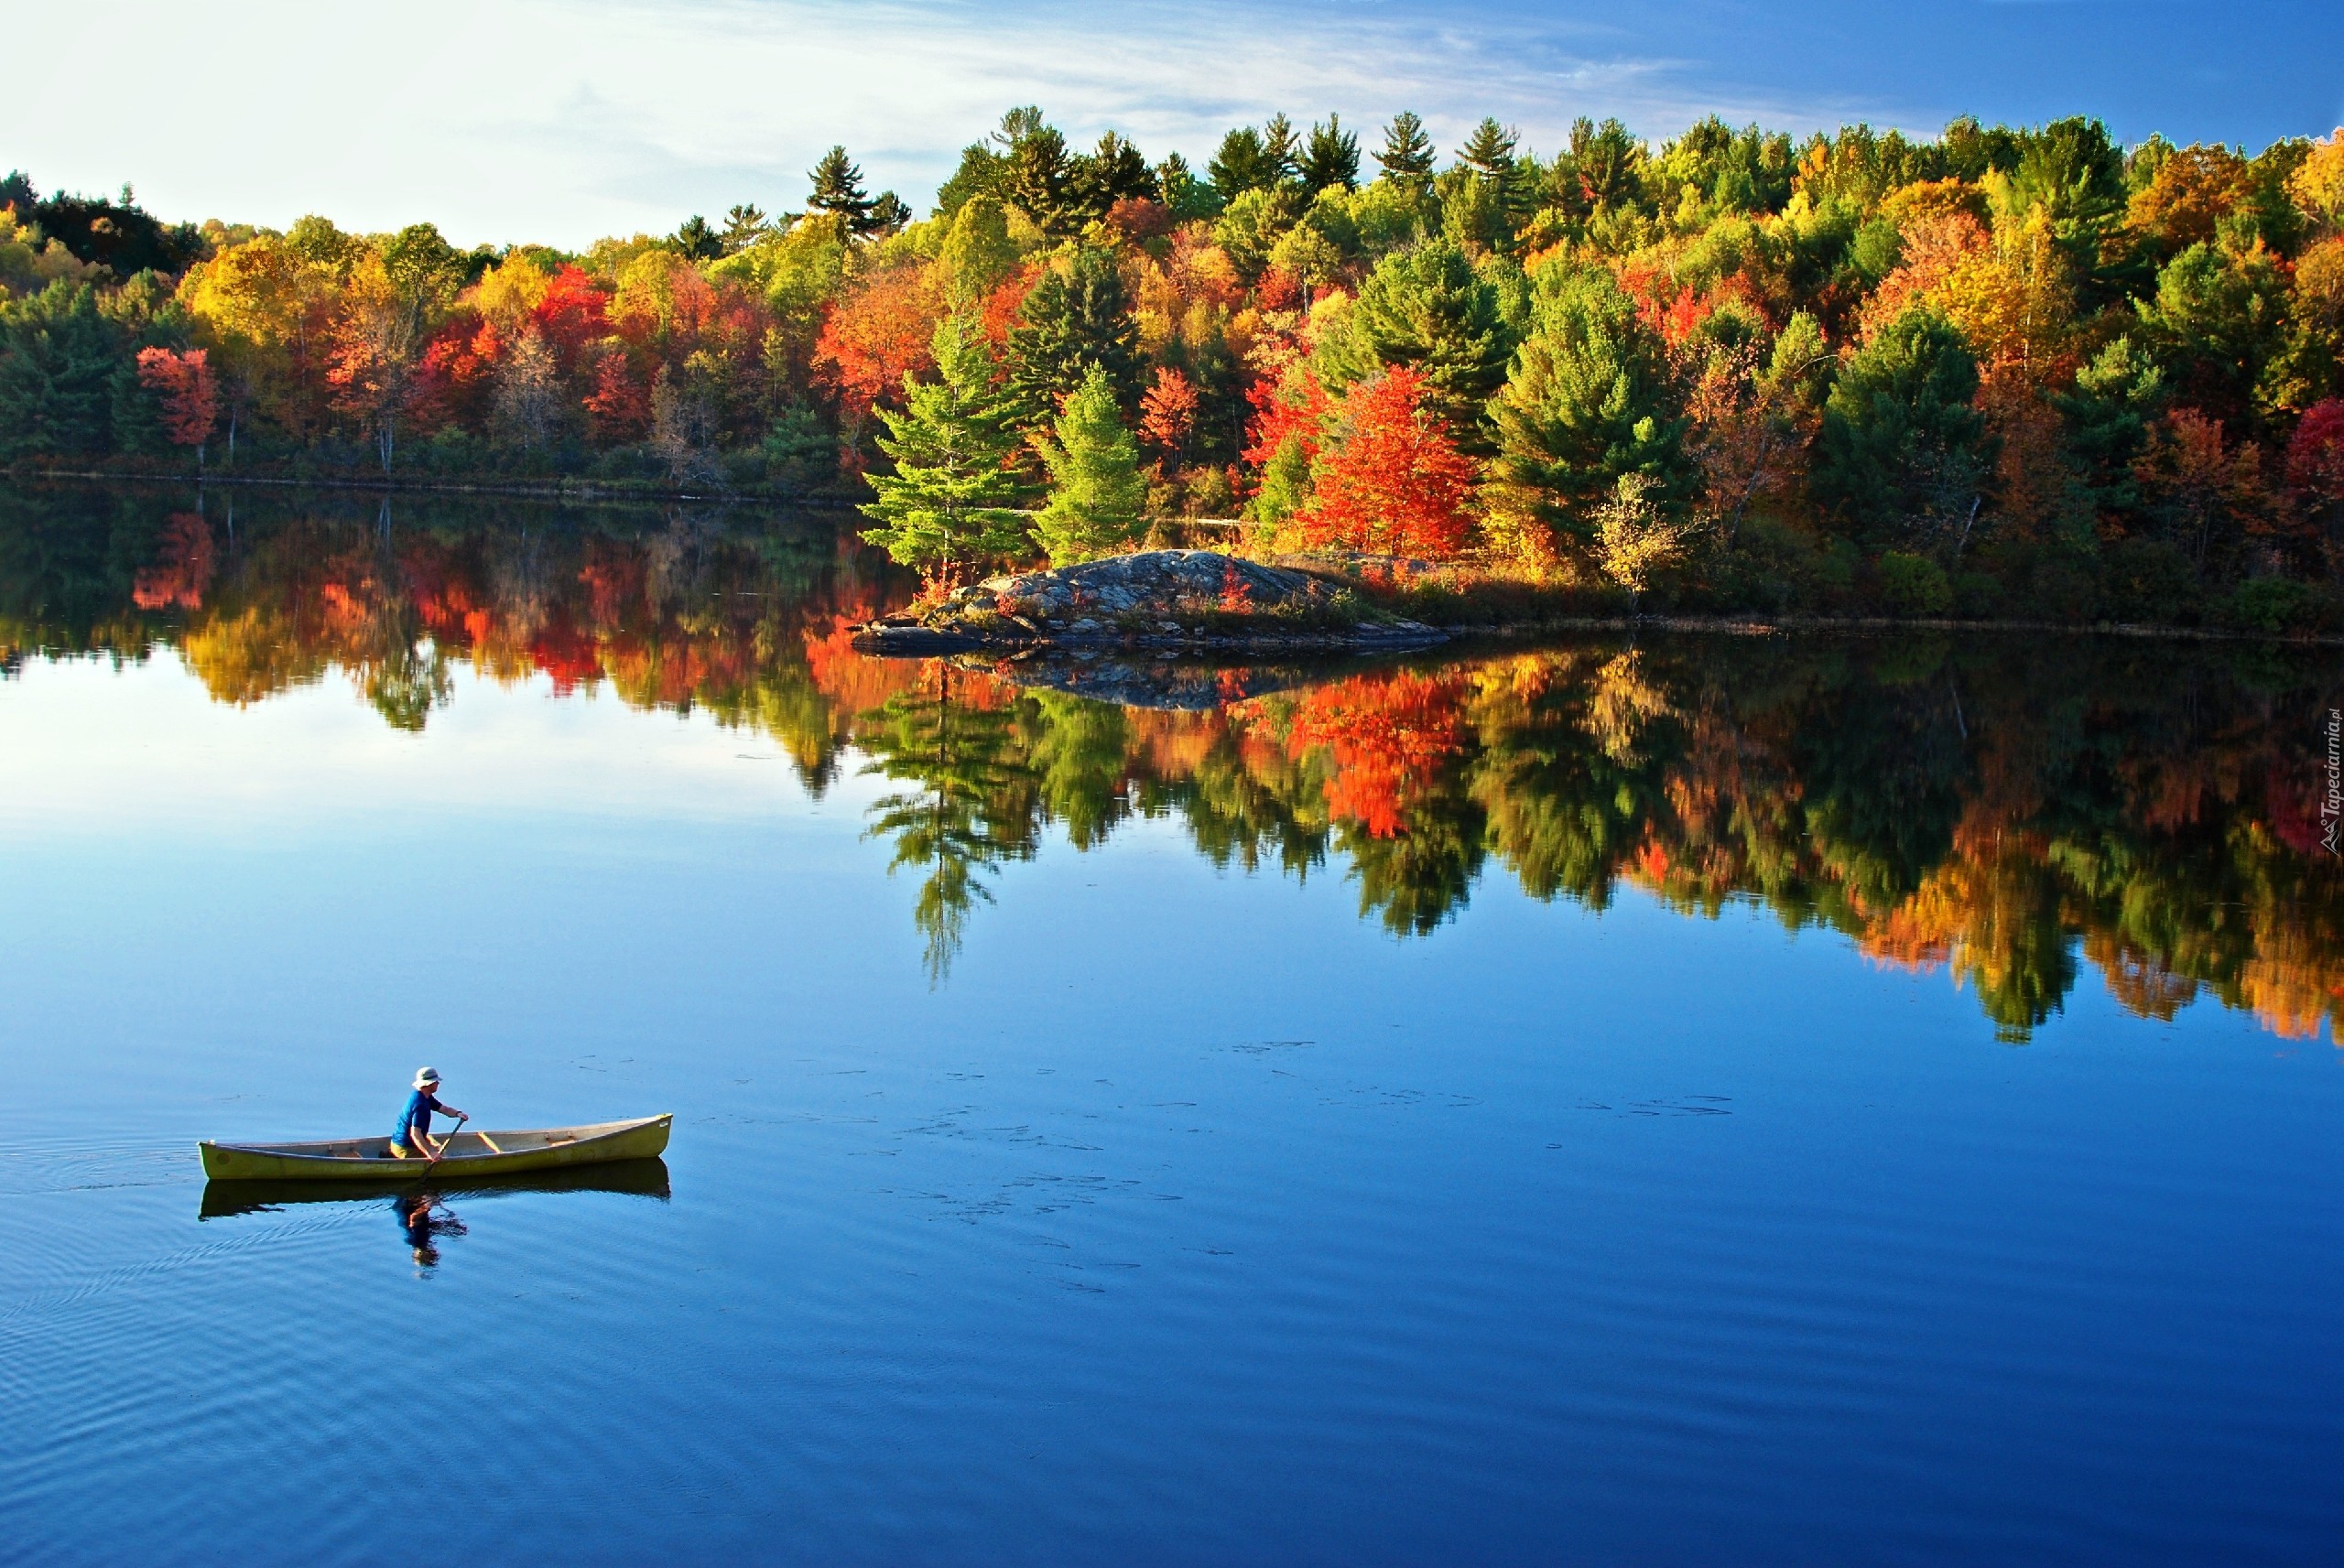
1425, 308
1241, 163
978, 175
1489, 151
744, 225
1331, 158
1602, 169
1488, 191
1033, 178
838, 188
1406, 157
1282, 148
1096, 182
970, 806
1589, 400
58, 357
1096, 491
2107, 423
1073, 321
1188, 196
1903, 448
697, 241
950, 501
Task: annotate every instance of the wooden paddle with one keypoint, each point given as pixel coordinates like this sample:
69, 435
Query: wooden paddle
441, 1152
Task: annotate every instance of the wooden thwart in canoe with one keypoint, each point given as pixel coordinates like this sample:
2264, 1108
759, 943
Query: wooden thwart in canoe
469, 1154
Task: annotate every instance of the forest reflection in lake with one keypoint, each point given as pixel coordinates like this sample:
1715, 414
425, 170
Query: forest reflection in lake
1995, 806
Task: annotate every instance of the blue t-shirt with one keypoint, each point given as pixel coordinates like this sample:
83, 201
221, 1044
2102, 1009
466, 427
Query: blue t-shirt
418, 1115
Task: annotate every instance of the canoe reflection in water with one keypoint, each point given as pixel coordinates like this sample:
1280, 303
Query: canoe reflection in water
421, 1206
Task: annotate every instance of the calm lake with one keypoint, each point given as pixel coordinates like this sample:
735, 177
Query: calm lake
1677, 1099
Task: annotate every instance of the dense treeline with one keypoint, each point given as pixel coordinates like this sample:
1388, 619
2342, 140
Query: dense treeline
1974, 805
2002, 372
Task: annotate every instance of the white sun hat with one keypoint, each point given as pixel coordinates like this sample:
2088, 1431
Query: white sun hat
426, 1076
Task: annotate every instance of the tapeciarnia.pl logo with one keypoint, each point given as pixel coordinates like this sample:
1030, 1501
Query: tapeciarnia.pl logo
2332, 804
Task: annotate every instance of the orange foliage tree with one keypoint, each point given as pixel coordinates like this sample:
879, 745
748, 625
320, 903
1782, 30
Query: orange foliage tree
1168, 415
1936, 247
876, 335
2195, 188
2210, 492
190, 393
1392, 480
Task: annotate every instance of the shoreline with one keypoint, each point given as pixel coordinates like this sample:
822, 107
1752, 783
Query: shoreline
1203, 601
1784, 625
913, 641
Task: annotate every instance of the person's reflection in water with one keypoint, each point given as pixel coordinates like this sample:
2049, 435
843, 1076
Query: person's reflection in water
423, 1228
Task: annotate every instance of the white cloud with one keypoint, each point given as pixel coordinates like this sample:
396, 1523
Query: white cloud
526, 119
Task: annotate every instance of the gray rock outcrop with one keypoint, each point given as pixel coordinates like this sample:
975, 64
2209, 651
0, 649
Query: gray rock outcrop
1176, 598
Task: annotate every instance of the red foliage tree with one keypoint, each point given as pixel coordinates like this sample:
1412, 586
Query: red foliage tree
1287, 405
565, 653
2211, 491
1167, 413
574, 312
620, 403
1393, 480
1278, 289
1140, 218
1675, 312
615, 578
189, 395
459, 372
2315, 455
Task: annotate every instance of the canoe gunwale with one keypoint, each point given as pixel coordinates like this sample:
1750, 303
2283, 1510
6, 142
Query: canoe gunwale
636, 1137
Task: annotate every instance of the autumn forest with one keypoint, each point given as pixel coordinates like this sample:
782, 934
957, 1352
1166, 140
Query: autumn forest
2005, 373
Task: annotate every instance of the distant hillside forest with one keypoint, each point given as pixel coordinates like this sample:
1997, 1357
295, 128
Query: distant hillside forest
2004, 372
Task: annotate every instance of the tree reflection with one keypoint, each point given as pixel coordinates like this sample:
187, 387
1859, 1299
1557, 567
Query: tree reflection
2002, 812
2006, 811
953, 737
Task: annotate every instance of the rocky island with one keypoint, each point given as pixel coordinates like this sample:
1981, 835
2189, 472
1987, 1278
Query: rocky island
1159, 600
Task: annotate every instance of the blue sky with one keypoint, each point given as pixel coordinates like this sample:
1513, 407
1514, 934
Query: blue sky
560, 120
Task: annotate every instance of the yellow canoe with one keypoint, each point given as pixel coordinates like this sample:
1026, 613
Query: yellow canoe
468, 1154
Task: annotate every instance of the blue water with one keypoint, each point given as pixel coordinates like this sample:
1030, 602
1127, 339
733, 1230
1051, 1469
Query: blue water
1190, 1218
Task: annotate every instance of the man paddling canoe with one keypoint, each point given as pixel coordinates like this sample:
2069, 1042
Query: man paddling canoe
412, 1136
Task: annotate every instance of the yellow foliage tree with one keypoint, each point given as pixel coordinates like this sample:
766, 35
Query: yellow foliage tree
2318, 185
264, 311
